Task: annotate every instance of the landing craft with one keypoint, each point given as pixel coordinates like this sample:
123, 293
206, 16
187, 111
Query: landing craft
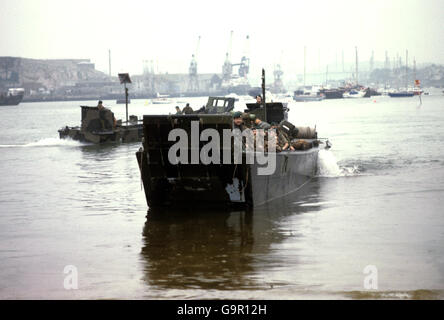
99, 127
195, 184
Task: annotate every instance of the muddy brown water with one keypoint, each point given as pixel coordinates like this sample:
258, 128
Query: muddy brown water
377, 202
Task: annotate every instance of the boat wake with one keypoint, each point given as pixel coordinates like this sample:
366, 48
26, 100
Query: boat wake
47, 142
328, 166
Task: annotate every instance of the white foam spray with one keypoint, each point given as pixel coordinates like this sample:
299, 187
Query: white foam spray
47, 142
328, 165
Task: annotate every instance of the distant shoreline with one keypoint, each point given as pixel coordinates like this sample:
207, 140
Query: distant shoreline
118, 97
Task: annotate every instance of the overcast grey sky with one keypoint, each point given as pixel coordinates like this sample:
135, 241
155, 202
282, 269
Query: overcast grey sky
167, 31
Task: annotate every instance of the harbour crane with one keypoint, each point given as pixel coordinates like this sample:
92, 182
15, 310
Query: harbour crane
244, 65
227, 68
278, 86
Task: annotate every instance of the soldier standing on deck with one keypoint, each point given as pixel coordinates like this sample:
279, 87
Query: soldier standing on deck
102, 111
187, 109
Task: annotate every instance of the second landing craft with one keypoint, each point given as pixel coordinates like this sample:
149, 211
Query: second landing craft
99, 126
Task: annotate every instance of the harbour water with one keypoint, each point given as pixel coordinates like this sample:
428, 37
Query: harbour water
376, 202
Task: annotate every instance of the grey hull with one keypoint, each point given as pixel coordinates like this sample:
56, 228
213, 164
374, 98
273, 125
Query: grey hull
303, 98
225, 185
172, 183
11, 100
125, 134
293, 171
99, 126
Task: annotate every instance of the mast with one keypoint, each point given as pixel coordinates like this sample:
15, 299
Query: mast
126, 103
109, 62
305, 63
326, 76
343, 65
414, 68
336, 64
406, 69
264, 104
356, 50
387, 61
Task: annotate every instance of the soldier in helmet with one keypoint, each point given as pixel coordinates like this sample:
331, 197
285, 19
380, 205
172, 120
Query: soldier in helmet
238, 121
187, 109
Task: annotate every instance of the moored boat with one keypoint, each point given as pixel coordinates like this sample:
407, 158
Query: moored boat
406, 92
369, 92
333, 93
401, 94
307, 94
162, 99
308, 98
12, 97
354, 94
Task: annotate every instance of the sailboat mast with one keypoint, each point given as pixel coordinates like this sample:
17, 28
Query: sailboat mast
414, 67
326, 76
109, 62
343, 65
305, 63
415, 80
406, 69
356, 50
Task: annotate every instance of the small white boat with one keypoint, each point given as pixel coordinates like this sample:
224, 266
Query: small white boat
354, 94
162, 99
